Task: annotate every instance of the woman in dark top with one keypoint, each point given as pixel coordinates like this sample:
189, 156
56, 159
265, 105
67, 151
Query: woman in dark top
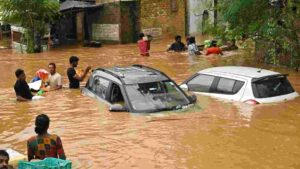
44, 144
74, 78
21, 87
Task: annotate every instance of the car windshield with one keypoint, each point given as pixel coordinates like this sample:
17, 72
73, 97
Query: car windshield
156, 96
271, 87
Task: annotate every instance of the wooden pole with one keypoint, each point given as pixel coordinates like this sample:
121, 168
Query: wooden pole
12, 37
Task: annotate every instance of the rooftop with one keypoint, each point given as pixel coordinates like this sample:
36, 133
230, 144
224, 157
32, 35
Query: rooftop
249, 72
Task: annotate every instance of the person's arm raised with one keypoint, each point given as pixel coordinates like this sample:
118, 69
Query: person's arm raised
81, 78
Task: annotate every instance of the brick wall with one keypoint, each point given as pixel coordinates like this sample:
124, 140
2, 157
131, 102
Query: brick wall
117, 22
158, 15
130, 27
108, 32
107, 25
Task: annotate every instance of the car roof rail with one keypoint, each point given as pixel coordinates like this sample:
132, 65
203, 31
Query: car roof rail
150, 68
112, 73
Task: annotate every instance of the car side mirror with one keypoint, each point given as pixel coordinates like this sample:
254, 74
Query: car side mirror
117, 108
184, 87
192, 99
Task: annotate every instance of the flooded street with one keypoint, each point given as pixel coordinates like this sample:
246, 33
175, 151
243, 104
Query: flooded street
212, 134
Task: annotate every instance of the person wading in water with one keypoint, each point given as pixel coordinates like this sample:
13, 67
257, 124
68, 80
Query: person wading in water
44, 144
75, 78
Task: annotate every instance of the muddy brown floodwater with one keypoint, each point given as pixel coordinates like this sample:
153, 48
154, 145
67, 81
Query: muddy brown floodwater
212, 134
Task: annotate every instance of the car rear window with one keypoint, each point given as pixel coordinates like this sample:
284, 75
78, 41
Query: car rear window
271, 87
201, 83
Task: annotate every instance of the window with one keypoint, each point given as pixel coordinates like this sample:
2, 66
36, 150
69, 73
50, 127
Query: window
89, 84
201, 83
229, 86
237, 86
271, 87
174, 7
100, 86
155, 96
116, 95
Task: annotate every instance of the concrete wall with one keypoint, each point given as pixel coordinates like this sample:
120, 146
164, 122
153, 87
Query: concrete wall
107, 26
118, 22
196, 10
158, 16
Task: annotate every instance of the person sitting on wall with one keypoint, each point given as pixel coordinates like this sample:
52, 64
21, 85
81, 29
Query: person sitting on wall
144, 45
214, 49
177, 46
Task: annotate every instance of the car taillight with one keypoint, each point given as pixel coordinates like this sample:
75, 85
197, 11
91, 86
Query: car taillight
252, 102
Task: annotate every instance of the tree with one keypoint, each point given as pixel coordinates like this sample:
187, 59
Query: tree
271, 21
33, 15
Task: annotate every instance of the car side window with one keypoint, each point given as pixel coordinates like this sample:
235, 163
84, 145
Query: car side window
201, 83
229, 86
89, 84
100, 86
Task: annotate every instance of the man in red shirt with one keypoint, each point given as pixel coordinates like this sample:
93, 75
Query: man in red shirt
144, 45
214, 50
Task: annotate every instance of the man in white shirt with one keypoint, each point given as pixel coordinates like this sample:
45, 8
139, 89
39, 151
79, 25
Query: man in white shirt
55, 81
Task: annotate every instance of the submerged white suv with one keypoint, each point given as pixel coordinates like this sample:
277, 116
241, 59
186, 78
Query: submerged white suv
245, 84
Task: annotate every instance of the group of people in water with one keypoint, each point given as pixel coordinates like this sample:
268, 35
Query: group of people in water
178, 46
53, 82
44, 144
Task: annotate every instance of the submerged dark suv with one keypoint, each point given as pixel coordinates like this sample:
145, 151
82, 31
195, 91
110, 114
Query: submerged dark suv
136, 89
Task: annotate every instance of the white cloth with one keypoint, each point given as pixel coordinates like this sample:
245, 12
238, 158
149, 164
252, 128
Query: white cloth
55, 80
35, 85
37, 97
192, 49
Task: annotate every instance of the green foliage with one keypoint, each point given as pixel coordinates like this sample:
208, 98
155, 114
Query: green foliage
260, 20
33, 15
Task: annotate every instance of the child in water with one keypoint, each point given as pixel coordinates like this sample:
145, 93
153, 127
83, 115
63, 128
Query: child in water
144, 44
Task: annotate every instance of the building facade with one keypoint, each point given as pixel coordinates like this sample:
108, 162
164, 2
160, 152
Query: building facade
120, 21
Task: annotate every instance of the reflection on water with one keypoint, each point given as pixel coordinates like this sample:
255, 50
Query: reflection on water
212, 134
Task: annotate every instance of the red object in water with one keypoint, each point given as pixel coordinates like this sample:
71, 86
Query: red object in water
252, 102
42, 74
144, 47
213, 50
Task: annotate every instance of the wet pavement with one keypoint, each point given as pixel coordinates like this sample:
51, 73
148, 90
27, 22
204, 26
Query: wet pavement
212, 134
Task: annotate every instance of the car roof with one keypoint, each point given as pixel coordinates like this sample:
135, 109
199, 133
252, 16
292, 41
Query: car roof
135, 74
242, 71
